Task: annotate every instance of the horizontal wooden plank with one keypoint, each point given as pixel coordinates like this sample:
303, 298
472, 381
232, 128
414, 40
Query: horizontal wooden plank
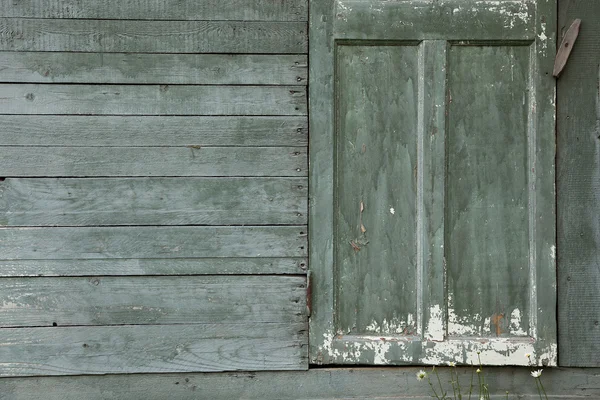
455, 20
153, 201
152, 161
151, 99
192, 69
161, 266
321, 384
152, 348
75, 130
259, 10
155, 300
110, 36
151, 242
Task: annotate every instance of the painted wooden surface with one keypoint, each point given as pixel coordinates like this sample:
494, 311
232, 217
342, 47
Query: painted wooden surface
191, 69
245, 10
192, 160
156, 266
376, 162
151, 300
315, 384
134, 36
159, 201
151, 100
153, 186
579, 190
487, 196
152, 242
152, 348
467, 240
164, 131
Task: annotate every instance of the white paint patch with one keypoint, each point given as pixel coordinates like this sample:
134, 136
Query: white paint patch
435, 326
515, 323
394, 326
553, 252
392, 211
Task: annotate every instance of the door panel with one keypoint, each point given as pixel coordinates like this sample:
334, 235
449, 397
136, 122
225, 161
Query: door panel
432, 182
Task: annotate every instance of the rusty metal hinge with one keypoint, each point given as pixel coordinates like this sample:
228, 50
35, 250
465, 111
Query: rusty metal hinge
564, 51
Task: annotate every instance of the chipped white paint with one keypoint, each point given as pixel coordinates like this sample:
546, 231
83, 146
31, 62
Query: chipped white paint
515, 323
435, 325
542, 36
553, 252
392, 211
394, 326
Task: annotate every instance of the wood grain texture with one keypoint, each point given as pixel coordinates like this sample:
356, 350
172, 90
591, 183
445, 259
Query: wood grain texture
439, 31
191, 69
151, 161
578, 188
376, 156
151, 100
246, 10
38, 302
422, 20
487, 225
152, 348
91, 131
315, 384
151, 242
153, 201
158, 266
110, 36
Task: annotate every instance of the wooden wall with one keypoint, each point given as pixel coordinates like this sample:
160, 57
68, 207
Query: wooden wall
153, 186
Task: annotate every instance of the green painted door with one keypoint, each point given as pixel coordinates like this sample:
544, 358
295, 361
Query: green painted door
432, 152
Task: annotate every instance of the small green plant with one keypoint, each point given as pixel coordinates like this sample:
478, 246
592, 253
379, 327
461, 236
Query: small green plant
482, 389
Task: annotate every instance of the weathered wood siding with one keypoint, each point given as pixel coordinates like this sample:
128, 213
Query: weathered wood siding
153, 186
579, 190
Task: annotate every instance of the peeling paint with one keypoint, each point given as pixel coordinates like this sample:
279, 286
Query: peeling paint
515, 323
394, 326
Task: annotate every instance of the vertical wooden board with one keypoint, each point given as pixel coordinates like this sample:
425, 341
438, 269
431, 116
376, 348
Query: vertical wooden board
119, 36
152, 100
92, 131
487, 243
376, 144
578, 190
241, 10
191, 69
487, 191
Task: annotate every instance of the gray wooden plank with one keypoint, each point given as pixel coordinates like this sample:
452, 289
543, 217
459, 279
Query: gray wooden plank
151, 242
376, 159
151, 99
154, 300
110, 36
152, 161
247, 10
152, 348
578, 189
153, 201
74, 130
420, 20
214, 69
160, 266
321, 384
